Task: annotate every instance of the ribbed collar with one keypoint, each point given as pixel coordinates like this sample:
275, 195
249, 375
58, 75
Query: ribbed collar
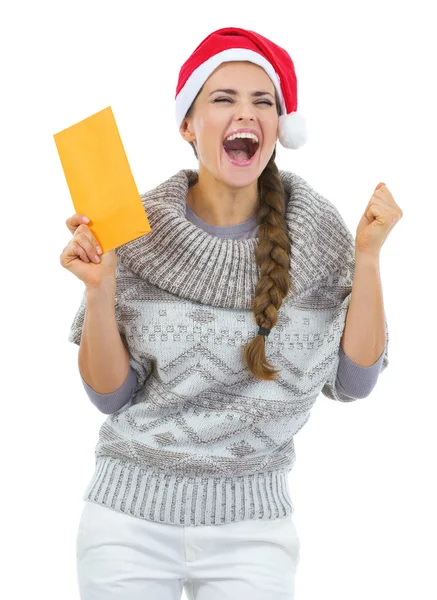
179, 257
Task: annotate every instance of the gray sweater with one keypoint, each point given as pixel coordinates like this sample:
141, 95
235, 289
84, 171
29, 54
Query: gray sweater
352, 380
192, 437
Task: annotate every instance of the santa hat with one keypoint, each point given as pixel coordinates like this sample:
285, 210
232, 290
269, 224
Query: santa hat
235, 44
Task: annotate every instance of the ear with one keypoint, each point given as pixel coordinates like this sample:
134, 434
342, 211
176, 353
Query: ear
186, 130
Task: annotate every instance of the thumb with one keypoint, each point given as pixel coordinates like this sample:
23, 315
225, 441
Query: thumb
379, 185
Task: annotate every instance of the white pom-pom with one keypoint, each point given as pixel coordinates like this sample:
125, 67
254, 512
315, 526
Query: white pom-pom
293, 131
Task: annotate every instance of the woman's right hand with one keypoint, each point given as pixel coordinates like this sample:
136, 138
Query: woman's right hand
81, 256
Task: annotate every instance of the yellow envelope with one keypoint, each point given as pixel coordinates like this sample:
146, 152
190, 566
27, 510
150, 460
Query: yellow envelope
100, 180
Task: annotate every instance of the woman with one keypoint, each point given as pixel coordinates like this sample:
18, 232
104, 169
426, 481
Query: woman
190, 488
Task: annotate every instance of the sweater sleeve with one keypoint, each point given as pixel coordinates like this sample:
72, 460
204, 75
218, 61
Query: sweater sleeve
140, 366
348, 381
356, 381
112, 402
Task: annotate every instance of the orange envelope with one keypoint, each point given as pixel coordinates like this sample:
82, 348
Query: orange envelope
100, 180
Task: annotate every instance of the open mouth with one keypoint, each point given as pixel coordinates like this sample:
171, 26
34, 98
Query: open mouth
241, 150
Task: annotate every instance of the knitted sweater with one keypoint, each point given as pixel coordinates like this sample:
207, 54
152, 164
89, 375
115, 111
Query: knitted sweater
201, 440
352, 379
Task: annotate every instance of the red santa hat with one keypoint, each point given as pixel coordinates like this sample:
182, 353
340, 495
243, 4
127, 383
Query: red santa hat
235, 44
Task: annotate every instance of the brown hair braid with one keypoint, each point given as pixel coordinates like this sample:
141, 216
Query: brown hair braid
272, 255
273, 258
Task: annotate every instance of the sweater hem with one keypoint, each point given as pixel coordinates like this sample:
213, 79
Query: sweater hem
188, 500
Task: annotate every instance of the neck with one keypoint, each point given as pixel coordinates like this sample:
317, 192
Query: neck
216, 203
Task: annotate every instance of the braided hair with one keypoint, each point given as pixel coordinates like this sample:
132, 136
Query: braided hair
273, 258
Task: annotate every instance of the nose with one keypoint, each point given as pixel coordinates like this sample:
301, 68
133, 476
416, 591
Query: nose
245, 111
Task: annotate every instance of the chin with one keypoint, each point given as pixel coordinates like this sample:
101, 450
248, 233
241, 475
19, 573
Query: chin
238, 176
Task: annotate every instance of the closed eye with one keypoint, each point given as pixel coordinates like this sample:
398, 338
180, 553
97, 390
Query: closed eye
230, 100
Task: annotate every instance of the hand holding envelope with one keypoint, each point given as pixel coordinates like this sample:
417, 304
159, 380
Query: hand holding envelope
100, 180
80, 256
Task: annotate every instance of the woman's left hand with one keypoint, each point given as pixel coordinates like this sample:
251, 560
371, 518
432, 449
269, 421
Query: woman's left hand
381, 215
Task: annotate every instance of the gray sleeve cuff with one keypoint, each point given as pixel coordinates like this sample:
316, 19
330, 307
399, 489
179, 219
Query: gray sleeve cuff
355, 381
110, 403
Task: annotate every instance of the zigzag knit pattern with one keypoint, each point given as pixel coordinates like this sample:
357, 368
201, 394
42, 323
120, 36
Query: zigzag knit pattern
204, 441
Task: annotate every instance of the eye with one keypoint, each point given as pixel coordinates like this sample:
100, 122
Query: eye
230, 100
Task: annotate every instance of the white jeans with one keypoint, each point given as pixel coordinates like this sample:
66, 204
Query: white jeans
121, 557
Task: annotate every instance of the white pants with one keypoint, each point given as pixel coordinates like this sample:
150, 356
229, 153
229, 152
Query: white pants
121, 557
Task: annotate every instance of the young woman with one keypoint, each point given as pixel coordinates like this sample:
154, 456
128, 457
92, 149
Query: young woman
208, 340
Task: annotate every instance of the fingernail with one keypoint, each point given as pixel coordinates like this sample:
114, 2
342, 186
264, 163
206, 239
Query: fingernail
97, 258
85, 219
99, 250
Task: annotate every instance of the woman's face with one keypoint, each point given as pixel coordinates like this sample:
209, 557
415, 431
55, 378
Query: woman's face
218, 112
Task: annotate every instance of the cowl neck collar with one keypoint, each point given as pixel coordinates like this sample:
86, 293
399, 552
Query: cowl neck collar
183, 259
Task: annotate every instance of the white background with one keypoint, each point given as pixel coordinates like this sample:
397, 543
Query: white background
363, 485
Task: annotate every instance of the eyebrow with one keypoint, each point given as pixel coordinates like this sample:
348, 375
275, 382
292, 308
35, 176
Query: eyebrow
235, 93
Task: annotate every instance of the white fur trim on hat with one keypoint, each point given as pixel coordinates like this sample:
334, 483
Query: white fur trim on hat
198, 77
293, 131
